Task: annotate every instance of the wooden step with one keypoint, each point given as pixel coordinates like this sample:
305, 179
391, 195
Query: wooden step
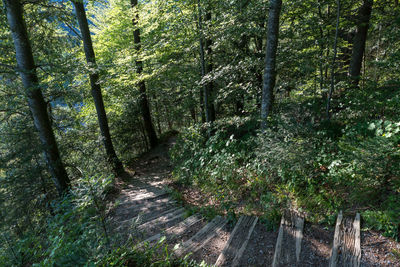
144, 218
128, 213
288, 244
133, 210
142, 186
346, 249
202, 237
158, 222
237, 242
133, 195
174, 231
124, 206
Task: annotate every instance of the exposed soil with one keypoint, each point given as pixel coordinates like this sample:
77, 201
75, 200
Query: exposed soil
210, 252
316, 246
260, 249
378, 250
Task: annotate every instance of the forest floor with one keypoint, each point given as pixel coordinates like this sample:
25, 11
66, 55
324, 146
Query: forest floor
154, 168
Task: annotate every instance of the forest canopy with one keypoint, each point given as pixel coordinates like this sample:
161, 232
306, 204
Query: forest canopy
273, 103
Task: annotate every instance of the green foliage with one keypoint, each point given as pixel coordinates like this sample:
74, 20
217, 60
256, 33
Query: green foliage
312, 166
215, 163
351, 162
76, 235
386, 221
157, 255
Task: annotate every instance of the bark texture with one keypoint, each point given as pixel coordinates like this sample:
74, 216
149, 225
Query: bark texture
95, 88
360, 39
270, 61
143, 101
37, 104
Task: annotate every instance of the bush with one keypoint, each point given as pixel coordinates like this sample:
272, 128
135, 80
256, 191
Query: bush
317, 168
77, 235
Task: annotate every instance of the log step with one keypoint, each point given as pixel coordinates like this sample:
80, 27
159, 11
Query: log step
237, 242
142, 195
288, 244
346, 249
126, 201
134, 210
141, 219
174, 231
121, 214
202, 237
162, 220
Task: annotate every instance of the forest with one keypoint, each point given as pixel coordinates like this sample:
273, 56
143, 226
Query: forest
238, 110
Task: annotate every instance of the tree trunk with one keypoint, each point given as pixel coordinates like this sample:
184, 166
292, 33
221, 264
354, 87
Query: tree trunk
328, 102
143, 101
209, 108
202, 110
95, 87
359, 42
270, 61
158, 122
209, 68
37, 104
243, 47
193, 113
327, 35
321, 53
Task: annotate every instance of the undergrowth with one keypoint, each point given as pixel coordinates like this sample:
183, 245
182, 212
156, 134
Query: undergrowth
316, 166
77, 234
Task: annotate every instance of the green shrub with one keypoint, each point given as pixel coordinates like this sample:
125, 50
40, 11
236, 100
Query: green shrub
319, 168
77, 235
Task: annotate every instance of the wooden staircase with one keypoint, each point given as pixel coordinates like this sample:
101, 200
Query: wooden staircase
157, 216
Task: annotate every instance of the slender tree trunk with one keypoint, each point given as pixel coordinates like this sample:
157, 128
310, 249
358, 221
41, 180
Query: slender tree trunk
208, 105
322, 48
169, 122
143, 131
209, 68
143, 101
328, 102
158, 116
205, 95
95, 87
359, 42
258, 74
270, 61
36, 102
327, 44
202, 63
201, 99
378, 51
243, 47
193, 114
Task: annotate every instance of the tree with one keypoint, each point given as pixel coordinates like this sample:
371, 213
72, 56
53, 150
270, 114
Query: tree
205, 99
143, 102
210, 90
36, 102
270, 60
328, 103
359, 41
95, 87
